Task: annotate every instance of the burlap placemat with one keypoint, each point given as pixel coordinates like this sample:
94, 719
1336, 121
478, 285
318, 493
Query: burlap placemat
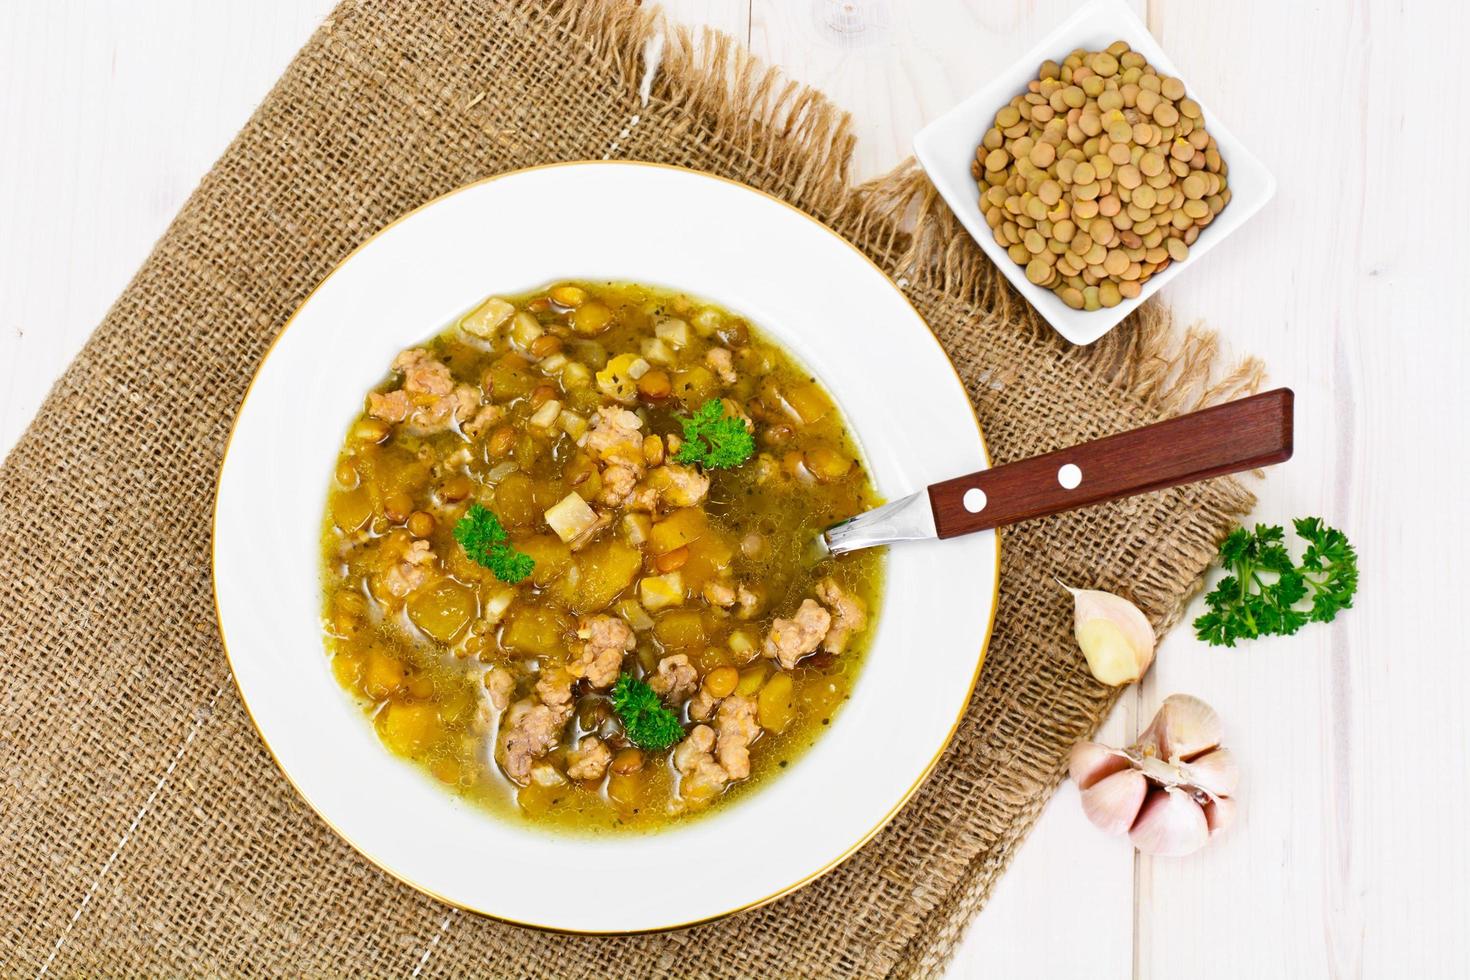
143, 827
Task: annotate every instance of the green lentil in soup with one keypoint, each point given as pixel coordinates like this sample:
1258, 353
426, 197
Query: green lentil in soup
550, 429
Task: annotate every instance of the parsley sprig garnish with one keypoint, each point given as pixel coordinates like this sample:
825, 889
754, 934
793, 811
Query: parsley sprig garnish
1268, 594
480, 534
713, 439
646, 721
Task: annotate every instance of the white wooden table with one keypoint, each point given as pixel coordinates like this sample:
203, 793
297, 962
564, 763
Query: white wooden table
1351, 857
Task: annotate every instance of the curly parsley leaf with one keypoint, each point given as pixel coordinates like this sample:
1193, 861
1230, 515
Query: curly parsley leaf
481, 535
1331, 565
1266, 593
713, 439
646, 721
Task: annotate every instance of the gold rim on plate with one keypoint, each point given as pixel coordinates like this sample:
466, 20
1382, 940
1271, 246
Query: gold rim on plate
780, 893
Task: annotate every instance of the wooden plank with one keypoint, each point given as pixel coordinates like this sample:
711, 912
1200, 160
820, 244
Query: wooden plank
1064, 907
730, 16
112, 112
896, 66
1349, 858
1328, 872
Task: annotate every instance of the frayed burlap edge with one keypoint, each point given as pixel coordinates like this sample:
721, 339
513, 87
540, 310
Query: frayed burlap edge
789, 141
1165, 369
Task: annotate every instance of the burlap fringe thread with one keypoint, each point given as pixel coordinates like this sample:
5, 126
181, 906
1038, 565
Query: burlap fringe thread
757, 126
1163, 368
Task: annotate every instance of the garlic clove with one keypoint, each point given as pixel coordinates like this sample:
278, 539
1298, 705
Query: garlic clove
1091, 762
1219, 815
1171, 790
1184, 727
1114, 635
1112, 803
1214, 772
1170, 824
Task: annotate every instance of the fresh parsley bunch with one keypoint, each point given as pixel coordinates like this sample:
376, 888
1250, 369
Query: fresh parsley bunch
481, 535
1266, 593
714, 440
646, 721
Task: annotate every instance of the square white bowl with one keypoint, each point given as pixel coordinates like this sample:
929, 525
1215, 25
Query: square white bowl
946, 147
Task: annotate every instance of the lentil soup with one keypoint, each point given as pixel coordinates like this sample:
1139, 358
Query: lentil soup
566, 560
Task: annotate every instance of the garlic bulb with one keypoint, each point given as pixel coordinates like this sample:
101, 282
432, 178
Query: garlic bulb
1171, 790
1114, 635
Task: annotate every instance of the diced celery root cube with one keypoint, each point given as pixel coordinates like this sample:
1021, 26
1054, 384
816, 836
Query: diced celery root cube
570, 516
576, 375
634, 614
675, 333
525, 329
546, 416
661, 591
573, 424
483, 320
657, 351
637, 528
496, 606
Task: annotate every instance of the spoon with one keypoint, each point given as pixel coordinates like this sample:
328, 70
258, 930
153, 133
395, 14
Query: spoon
1239, 435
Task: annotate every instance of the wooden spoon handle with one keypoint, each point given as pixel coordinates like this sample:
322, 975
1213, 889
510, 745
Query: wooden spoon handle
1238, 435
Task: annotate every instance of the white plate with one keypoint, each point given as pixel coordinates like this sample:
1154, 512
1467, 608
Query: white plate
713, 238
946, 148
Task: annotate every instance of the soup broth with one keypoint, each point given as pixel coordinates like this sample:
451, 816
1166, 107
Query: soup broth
656, 469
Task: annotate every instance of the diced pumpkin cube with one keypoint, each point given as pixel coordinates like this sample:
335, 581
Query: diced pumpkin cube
525, 451
347, 668
708, 320
629, 791
511, 377
602, 571
536, 631
538, 800
515, 500
774, 707
443, 609
751, 679
381, 674
617, 382
695, 386
409, 728
809, 402
680, 628
683, 527
351, 508
552, 557
708, 558
580, 474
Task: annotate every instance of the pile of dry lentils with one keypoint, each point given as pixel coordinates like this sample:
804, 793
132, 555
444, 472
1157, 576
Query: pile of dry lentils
1099, 175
